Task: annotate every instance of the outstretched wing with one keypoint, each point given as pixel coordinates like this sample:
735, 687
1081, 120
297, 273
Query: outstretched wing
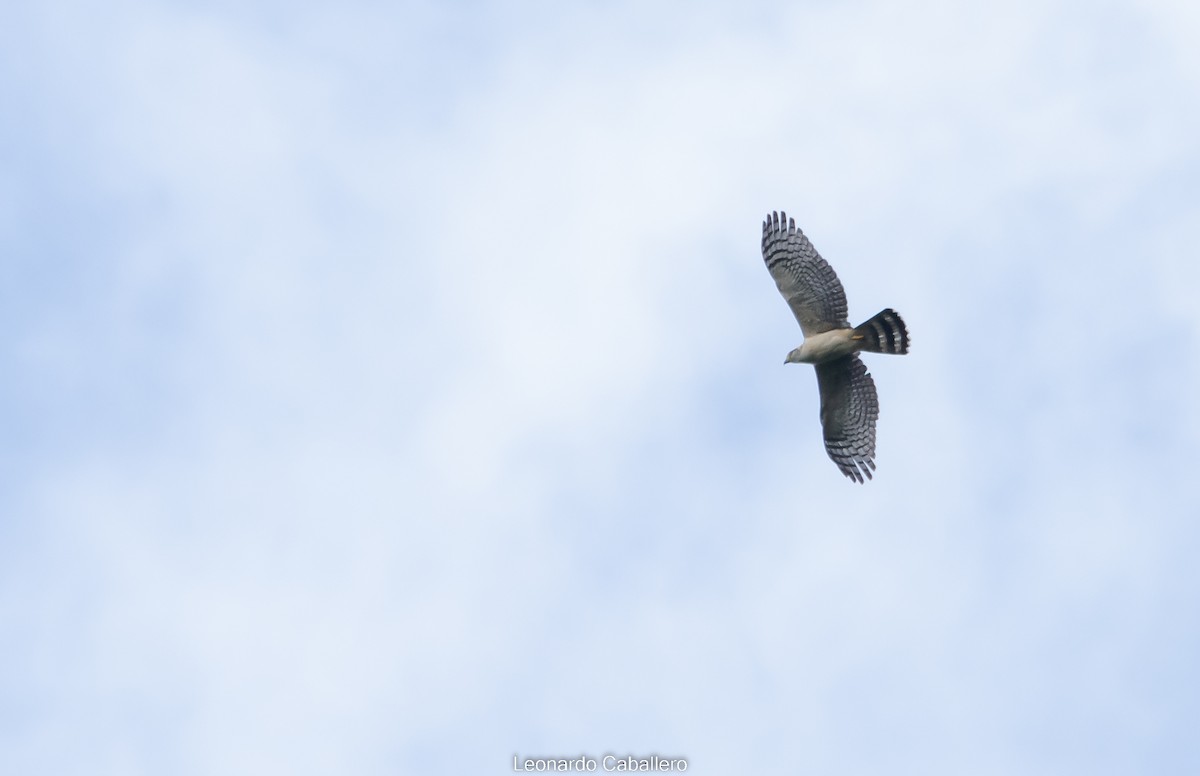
849, 409
807, 282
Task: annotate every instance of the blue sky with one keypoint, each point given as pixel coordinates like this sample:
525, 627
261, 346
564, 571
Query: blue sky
395, 388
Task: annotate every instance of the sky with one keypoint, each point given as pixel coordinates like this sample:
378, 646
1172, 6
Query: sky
396, 388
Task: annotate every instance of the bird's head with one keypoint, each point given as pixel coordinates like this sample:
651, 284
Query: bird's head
793, 357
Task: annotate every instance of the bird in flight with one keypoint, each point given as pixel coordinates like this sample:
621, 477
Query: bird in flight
849, 406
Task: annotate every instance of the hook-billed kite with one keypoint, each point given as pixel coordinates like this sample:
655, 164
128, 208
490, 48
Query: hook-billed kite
849, 406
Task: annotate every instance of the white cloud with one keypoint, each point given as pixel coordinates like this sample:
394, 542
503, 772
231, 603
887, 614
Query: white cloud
442, 414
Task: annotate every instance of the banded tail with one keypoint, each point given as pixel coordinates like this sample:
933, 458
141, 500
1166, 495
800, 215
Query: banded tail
884, 333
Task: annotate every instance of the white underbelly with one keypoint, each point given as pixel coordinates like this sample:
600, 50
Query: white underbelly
828, 345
